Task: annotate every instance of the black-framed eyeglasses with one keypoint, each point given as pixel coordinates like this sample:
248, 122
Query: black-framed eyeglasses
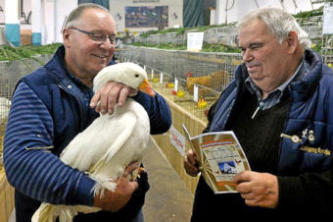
98, 37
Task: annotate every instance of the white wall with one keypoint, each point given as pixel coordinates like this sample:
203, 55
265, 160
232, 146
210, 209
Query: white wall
47, 24
2, 14
27, 8
64, 7
241, 7
59, 9
55, 11
117, 7
54, 14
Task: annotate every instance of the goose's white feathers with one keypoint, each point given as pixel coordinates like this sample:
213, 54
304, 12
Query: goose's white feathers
108, 145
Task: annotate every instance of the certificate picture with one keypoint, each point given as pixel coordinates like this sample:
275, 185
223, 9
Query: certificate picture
221, 157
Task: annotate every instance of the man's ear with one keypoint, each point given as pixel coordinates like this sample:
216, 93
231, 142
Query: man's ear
66, 38
292, 42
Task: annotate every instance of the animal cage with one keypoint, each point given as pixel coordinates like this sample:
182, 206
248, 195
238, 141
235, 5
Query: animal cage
208, 73
327, 49
10, 73
190, 82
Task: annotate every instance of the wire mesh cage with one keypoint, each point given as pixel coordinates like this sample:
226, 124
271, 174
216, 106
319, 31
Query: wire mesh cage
189, 79
190, 82
5, 96
327, 49
327, 35
11, 72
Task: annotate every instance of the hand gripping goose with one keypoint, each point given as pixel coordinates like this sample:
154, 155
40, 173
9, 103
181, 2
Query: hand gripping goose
117, 140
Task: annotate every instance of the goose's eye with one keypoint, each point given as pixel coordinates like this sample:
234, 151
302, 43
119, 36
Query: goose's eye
136, 75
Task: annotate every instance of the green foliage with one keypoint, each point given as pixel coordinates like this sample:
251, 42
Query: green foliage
219, 48
8, 53
181, 31
302, 16
204, 28
205, 48
161, 46
315, 12
317, 46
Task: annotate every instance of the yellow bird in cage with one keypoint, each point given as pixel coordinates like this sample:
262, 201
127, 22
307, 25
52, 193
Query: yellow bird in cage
180, 93
215, 81
202, 103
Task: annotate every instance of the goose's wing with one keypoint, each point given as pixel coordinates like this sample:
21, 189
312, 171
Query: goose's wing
124, 128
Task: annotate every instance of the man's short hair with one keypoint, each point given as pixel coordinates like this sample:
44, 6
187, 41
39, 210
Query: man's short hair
279, 23
75, 15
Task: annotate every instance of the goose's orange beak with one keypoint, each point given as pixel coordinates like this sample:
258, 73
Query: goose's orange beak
146, 88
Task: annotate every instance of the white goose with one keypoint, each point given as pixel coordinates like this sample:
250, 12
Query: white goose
109, 144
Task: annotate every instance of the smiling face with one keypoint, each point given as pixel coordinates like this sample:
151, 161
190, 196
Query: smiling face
268, 62
84, 56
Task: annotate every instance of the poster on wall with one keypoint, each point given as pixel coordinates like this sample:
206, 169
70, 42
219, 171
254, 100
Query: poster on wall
155, 16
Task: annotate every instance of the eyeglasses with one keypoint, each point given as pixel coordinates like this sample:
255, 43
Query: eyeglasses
98, 37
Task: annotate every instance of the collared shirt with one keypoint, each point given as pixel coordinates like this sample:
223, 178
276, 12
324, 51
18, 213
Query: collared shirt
88, 93
273, 97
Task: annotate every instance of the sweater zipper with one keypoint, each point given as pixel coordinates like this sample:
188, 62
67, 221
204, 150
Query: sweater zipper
284, 130
259, 107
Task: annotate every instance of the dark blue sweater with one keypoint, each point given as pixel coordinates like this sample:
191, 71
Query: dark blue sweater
304, 172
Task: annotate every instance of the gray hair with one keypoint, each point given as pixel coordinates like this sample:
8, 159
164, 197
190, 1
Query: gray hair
75, 15
279, 23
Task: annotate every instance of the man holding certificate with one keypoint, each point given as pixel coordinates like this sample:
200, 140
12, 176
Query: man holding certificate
280, 107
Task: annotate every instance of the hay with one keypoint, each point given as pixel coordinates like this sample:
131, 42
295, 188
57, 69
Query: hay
2, 134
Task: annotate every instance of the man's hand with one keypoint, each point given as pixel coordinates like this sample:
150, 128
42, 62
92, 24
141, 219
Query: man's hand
113, 201
191, 163
258, 189
109, 95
